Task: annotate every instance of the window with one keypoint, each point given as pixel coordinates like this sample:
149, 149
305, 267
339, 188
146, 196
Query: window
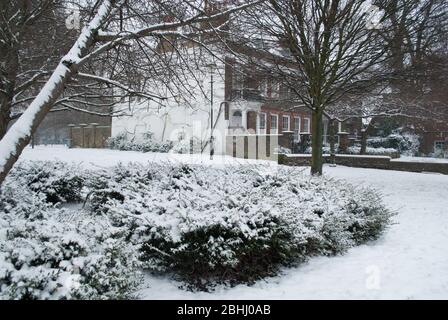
285, 123
262, 121
274, 123
297, 125
237, 119
275, 89
325, 123
306, 125
439, 145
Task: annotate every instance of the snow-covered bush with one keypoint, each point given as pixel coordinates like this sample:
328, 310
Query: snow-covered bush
356, 150
325, 149
206, 225
123, 142
439, 153
46, 259
389, 152
148, 144
234, 224
405, 143
184, 146
57, 180
282, 150
120, 142
51, 253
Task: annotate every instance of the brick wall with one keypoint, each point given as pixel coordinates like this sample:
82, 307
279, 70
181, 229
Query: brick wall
374, 162
419, 166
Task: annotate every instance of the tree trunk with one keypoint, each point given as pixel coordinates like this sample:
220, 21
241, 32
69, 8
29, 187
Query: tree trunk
332, 141
363, 141
364, 135
317, 142
4, 121
19, 135
10, 58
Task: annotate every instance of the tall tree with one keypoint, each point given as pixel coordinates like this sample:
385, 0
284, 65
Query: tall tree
32, 39
415, 36
322, 50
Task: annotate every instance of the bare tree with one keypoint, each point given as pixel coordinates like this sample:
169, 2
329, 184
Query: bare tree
322, 50
413, 91
32, 39
116, 24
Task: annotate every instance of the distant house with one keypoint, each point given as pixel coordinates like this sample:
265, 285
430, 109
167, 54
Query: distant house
243, 104
246, 103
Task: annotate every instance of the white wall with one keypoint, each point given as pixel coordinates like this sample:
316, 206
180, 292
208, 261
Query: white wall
167, 122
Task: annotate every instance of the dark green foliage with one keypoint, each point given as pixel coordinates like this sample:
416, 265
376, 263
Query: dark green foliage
59, 181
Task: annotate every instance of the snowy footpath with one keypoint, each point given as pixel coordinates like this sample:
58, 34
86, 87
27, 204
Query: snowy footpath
410, 261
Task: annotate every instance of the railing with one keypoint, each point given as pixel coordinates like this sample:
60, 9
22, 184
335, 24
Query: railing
247, 94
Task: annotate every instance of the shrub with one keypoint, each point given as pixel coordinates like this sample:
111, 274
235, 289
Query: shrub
119, 142
282, 150
146, 144
57, 180
389, 152
206, 225
236, 224
356, 150
404, 143
186, 146
51, 253
45, 259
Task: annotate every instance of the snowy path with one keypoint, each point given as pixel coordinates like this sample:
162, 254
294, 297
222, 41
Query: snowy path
409, 262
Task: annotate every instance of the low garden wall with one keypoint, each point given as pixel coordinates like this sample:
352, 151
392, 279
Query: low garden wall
419, 166
374, 162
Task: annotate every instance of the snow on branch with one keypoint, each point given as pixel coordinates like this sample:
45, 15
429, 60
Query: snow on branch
121, 86
169, 26
19, 135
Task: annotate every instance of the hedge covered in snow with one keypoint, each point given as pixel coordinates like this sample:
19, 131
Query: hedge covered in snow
47, 252
205, 225
389, 152
235, 224
404, 143
125, 142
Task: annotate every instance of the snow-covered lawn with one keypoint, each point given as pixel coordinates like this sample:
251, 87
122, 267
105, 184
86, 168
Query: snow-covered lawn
106, 157
409, 262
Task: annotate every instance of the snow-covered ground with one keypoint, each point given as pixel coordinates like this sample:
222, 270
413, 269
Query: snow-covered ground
409, 262
107, 157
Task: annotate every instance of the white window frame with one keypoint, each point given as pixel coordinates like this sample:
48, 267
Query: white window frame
263, 116
272, 130
297, 130
289, 123
441, 142
275, 89
308, 122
